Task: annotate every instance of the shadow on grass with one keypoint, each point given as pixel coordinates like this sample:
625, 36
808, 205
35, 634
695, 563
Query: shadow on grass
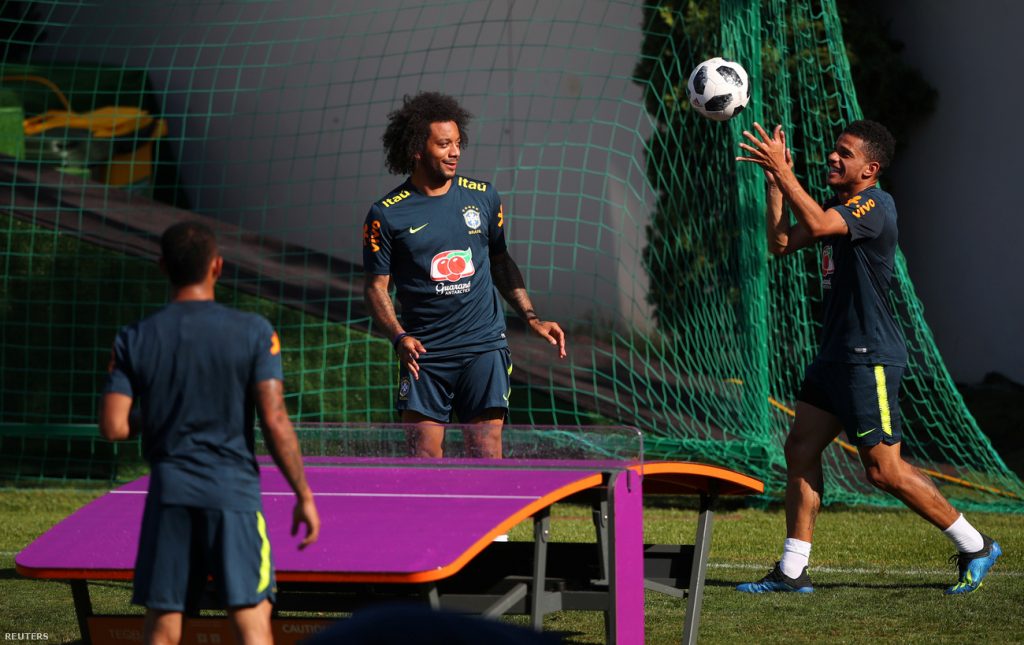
11, 574
847, 585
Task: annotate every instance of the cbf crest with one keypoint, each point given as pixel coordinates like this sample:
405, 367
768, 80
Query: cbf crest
472, 216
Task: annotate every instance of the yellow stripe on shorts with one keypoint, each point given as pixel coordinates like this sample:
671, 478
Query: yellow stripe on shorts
509, 393
261, 526
883, 399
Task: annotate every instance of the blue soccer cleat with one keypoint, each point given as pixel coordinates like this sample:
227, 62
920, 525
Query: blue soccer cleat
973, 567
778, 581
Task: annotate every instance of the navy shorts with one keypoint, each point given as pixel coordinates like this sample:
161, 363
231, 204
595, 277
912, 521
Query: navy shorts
464, 385
181, 546
865, 398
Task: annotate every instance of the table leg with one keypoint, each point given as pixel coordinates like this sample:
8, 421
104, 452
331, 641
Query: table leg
600, 516
541, 533
698, 571
83, 607
626, 568
432, 596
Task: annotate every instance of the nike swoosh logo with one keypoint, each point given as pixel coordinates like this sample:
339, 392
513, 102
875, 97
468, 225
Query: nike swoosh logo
414, 231
866, 432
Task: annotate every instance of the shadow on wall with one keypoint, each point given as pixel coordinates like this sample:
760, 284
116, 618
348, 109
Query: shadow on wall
997, 404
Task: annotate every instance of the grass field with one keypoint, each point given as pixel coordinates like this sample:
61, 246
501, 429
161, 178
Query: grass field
878, 575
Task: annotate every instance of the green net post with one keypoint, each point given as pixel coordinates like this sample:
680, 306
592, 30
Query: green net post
741, 41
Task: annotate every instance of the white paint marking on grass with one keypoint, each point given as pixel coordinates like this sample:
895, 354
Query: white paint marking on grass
53, 491
864, 571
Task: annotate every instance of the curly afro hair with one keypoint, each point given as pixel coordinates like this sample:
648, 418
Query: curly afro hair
878, 141
409, 127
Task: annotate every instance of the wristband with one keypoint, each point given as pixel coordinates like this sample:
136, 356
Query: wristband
398, 339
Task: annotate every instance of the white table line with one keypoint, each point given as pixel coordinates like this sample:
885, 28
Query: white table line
401, 495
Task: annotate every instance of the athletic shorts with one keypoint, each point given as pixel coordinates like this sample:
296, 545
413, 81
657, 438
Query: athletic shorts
464, 385
181, 546
865, 398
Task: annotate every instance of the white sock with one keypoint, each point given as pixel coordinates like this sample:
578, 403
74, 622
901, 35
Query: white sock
964, 536
795, 554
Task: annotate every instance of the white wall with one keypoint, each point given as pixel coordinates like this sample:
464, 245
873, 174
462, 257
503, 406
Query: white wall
276, 110
958, 184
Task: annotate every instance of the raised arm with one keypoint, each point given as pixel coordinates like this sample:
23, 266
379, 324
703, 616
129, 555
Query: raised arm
783, 237
771, 153
279, 435
509, 282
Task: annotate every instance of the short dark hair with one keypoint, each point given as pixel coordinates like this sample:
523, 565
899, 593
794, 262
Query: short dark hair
409, 127
187, 249
878, 141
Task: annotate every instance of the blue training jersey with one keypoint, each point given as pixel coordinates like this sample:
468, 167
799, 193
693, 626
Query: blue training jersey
437, 251
856, 277
192, 366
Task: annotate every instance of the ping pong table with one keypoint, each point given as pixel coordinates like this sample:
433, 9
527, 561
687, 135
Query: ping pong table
400, 528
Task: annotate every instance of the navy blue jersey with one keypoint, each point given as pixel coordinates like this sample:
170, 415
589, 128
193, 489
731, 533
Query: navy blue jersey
437, 251
856, 274
193, 366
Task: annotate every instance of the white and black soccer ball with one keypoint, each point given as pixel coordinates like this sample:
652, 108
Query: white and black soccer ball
718, 89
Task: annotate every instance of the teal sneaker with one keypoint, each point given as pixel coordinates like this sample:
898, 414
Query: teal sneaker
973, 567
778, 581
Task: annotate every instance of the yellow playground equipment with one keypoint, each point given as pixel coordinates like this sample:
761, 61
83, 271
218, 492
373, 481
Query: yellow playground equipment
115, 144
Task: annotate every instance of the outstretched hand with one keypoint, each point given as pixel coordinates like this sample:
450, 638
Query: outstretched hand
551, 332
769, 152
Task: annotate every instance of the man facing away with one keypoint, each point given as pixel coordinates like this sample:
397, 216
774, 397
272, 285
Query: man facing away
853, 384
197, 370
440, 238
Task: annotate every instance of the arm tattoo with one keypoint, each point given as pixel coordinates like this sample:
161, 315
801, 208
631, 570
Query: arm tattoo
279, 434
382, 310
509, 282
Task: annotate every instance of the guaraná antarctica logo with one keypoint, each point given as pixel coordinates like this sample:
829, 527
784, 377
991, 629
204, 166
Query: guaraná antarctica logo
452, 265
828, 267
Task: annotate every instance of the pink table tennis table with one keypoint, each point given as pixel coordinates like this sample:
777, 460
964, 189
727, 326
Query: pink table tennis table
426, 529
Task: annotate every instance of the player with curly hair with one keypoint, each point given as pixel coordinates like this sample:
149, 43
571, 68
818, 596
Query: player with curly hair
440, 238
854, 382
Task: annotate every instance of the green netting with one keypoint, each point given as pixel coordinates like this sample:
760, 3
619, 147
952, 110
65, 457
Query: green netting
620, 444
633, 225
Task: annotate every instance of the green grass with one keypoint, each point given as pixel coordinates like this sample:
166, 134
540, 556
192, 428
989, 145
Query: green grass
878, 574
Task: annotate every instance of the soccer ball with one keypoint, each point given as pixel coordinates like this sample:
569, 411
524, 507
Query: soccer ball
718, 89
